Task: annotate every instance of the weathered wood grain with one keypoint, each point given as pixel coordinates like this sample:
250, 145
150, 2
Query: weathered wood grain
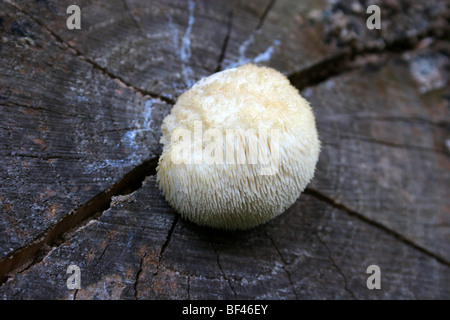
161, 47
384, 147
140, 249
81, 112
69, 131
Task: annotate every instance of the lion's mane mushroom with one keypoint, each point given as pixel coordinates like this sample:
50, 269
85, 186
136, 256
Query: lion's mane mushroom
267, 118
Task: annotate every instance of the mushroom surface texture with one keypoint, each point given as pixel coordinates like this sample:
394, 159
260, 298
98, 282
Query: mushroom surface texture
238, 148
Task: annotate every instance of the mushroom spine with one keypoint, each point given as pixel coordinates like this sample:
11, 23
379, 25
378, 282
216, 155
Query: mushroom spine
238, 148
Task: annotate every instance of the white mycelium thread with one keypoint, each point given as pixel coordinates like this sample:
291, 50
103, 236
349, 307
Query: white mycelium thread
239, 195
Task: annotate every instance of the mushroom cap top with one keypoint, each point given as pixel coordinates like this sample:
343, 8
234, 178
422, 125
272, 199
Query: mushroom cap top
247, 97
266, 113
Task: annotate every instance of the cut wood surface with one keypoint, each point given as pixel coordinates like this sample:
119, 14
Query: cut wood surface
80, 125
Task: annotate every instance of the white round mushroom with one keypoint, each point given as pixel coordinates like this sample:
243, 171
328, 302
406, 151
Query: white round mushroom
238, 148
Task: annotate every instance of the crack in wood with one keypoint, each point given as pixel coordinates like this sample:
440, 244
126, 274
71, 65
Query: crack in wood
344, 61
42, 254
93, 64
335, 265
160, 256
225, 42
251, 37
225, 277
285, 263
264, 15
138, 274
322, 197
35, 251
101, 255
166, 242
320, 71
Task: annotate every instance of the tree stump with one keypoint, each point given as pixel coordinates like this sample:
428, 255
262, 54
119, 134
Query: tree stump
80, 128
